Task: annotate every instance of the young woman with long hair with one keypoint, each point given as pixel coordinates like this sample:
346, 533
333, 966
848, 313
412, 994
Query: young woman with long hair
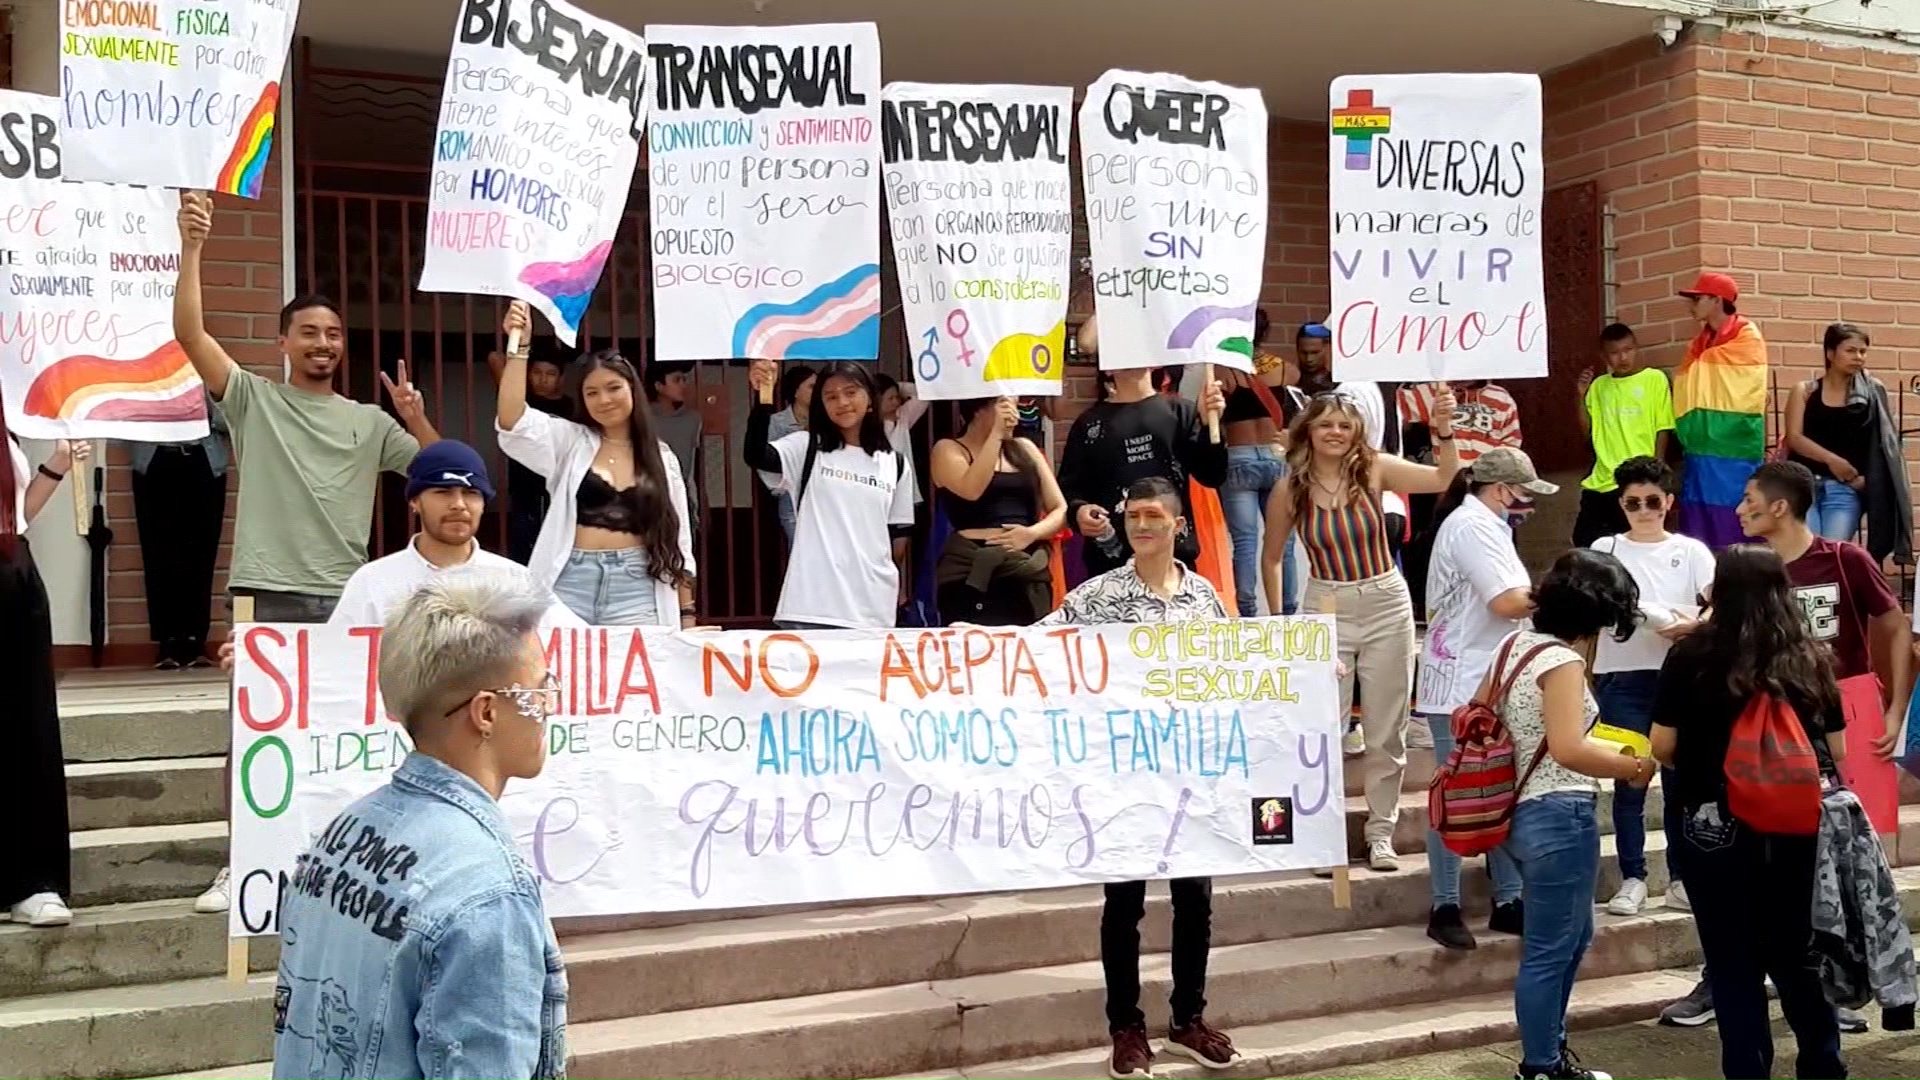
1331, 500
1001, 498
616, 545
1841, 427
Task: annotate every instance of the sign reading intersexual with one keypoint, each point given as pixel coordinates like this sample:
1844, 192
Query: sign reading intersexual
981, 207
177, 93
1175, 172
540, 129
762, 158
1435, 184
744, 769
88, 270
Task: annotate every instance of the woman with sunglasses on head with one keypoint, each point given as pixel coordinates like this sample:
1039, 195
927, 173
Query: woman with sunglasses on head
1673, 573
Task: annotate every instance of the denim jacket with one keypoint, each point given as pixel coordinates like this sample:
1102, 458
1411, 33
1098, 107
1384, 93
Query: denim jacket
414, 943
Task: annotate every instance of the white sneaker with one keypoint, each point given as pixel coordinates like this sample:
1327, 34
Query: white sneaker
1353, 743
1630, 899
1380, 855
42, 909
219, 895
1677, 898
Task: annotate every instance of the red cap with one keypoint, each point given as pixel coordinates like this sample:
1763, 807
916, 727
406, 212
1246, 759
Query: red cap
1717, 285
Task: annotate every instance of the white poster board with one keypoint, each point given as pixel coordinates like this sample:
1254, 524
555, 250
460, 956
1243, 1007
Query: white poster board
174, 93
1434, 186
763, 161
747, 769
86, 337
1175, 177
980, 204
534, 156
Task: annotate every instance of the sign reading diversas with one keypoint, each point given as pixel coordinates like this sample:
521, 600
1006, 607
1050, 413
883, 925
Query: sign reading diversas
981, 207
753, 768
177, 93
540, 129
1434, 189
762, 161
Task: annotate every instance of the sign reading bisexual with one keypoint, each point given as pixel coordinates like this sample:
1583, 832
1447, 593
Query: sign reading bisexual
176, 93
745, 769
86, 335
980, 202
1175, 177
1434, 189
540, 128
762, 158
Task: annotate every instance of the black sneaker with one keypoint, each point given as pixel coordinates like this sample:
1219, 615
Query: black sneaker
1508, 918
1567, 1068
1445, 926
1694, 1010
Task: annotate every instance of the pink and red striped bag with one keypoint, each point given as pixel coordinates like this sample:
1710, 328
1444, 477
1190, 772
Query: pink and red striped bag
1471, 799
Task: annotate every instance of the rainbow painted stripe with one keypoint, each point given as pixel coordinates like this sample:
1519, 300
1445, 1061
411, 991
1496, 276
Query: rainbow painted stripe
1359, 122
569, 284
246, 166
1719, 409
837, 321
158, 387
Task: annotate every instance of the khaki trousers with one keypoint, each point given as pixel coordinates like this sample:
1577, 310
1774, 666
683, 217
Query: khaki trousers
1373, 624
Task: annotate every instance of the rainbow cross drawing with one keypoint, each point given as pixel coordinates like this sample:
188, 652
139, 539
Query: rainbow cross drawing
1360, 121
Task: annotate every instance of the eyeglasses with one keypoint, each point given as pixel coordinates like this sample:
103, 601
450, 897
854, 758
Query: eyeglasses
1633, 504
534, 702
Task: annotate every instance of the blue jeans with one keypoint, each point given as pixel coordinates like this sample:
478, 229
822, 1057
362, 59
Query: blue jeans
1835, 513
1252, 474
1443, 866
1626, 701
783, 504
1556, 841
609, 588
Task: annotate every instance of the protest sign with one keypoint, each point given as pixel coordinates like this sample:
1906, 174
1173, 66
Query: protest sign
1175, 177
980, 204
1434, 188
761, 166
86, 339
534, 156
745, 769
179, 93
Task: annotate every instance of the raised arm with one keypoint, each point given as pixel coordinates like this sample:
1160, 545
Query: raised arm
511, 397
210, 360
757, 451
1204, 459
68, 455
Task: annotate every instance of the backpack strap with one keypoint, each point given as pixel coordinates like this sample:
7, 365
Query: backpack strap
1506, 685
806, 474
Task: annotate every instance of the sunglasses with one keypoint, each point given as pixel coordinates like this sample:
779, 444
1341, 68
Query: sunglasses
1633, 504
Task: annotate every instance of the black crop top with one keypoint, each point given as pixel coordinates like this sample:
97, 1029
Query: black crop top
1245, 404
1010, 498
599, 505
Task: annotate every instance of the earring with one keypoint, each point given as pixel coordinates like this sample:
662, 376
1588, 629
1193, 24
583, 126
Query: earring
486, 733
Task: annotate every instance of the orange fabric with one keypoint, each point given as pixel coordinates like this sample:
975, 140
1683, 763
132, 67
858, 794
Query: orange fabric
1216, 543
1057, 564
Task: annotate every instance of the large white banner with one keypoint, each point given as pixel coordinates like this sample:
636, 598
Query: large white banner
1434, 187
86, 334
1175, 177
763, 159
745, 769
178, 93
540, 129
980, 202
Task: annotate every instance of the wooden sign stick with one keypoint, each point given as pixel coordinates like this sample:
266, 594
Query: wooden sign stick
238, 950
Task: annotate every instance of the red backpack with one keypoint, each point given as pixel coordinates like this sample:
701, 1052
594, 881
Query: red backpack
1773, 775
1471, 799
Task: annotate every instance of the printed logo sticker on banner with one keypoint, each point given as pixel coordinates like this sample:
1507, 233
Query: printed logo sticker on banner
178, 93
762, 158
1434, 190
86, 348
746, 769
981, 207
534, 156
1175, 176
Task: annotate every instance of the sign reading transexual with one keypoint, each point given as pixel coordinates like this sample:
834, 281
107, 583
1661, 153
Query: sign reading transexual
176, 93
87, 269
746, 769
1175, 177
762, 162
981, 207
1434, 188
540, 129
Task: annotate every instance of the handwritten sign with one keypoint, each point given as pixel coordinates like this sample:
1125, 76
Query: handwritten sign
981, 207
1175, 172
540, 129
746, 769
762, 156
179, 93
1435, 184
86, 336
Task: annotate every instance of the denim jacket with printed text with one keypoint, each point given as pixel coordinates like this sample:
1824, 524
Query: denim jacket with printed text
414, 943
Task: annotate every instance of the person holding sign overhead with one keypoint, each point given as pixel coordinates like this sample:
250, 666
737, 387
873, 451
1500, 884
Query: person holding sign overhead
1004, 506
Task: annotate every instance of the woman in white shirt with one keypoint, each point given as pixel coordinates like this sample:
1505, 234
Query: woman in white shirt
1674, 574
615, 546
853, 501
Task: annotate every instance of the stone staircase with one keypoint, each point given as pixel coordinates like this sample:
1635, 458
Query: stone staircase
1003, 985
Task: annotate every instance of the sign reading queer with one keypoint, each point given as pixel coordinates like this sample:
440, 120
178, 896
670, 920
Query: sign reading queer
534, 156
746, 769
761, 158
1175, 172
1435, 196
981, 207
86, 338
179, 93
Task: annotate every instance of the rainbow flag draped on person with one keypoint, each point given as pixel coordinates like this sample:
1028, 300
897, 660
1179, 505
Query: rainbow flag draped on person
1719, 409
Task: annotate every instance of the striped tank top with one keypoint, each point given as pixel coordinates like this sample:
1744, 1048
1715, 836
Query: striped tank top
1347, 543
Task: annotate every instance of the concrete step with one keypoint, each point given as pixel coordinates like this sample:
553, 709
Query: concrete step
1419, 772
129, 716
138, 1030
149, 862
121, 945
160, 791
